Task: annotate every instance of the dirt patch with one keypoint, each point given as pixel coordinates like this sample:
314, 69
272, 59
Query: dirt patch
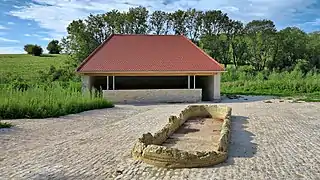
201, 134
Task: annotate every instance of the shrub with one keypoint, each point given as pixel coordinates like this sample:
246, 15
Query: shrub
28, 48
36, 50
54, 47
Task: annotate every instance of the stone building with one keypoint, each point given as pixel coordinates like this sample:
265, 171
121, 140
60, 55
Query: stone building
151, 68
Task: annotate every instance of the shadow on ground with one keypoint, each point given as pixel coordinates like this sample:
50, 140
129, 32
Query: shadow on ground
241, 145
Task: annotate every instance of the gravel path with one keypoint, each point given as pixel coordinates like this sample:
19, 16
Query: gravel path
277, 140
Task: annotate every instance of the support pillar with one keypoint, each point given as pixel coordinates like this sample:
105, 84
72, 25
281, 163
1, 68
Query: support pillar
113, 83
107, 82
216, 87
86, 83
188, 82
212, 88
194, 82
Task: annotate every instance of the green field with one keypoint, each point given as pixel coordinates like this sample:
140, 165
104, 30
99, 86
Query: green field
22, 95
26, 66
28, 97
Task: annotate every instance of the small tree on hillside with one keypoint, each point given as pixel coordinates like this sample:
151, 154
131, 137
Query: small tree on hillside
54, 47
37, 50
28, 48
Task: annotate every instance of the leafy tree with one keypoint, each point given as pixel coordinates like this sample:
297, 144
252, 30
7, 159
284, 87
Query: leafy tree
291, 47
28, 48
158, 21
261, 40
214, 22
194, 24
54, 47
179, 20
37, 50
137, 20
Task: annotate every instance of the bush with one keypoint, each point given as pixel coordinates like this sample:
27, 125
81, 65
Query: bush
46, 101
36, 50
33, 49
54, 47
28, 48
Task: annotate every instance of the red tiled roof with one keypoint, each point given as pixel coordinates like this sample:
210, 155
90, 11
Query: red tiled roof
148, 53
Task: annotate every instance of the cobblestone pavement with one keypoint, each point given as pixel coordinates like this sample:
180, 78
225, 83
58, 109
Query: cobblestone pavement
278, 140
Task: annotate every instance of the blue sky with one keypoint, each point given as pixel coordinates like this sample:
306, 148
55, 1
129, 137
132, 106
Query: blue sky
39, 21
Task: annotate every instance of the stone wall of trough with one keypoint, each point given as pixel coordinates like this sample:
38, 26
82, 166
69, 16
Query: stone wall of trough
149, 149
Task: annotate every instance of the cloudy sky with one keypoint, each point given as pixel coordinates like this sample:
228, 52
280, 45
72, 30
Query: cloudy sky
39, 21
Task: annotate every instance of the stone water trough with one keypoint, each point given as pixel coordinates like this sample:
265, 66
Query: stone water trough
198, 137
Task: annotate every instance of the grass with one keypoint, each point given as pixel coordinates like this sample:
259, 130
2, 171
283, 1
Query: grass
294, 84
5, 125
46, 101
26, 66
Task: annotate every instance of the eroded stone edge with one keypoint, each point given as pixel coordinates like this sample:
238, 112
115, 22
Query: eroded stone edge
148, 148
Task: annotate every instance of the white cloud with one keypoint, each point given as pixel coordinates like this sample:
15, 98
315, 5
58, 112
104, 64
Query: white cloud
11, 50
46, 39
9, 40
3, 27
10, 23
28, 35
63, 12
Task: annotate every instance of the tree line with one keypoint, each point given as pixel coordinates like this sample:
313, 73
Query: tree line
257, 43
36, 50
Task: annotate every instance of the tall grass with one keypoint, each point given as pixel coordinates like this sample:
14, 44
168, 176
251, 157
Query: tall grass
244, 81
46, 101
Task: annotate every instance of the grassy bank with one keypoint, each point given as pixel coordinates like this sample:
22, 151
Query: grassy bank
46, 101
294, 83
26, 66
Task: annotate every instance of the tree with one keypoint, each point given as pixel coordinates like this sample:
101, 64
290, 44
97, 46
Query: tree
194, 24
291, 47
178, 19
261, 42
157, 23
214, 22
37, 50
137, 20
54, 47
28, 48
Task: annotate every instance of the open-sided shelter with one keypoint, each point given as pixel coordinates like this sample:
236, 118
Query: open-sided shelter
151, 68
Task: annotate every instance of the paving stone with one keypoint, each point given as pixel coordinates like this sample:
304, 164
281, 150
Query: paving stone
278, 140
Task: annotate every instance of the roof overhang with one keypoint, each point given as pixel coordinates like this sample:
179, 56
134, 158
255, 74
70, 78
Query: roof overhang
150, 73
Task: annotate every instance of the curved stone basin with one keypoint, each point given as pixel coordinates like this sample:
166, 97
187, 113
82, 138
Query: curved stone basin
151, 149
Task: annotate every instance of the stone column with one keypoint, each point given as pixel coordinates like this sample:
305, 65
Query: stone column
86, 83
216, 87
213, 87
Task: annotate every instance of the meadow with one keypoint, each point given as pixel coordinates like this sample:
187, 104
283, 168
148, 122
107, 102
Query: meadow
27, 66
39, 99
53, 99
